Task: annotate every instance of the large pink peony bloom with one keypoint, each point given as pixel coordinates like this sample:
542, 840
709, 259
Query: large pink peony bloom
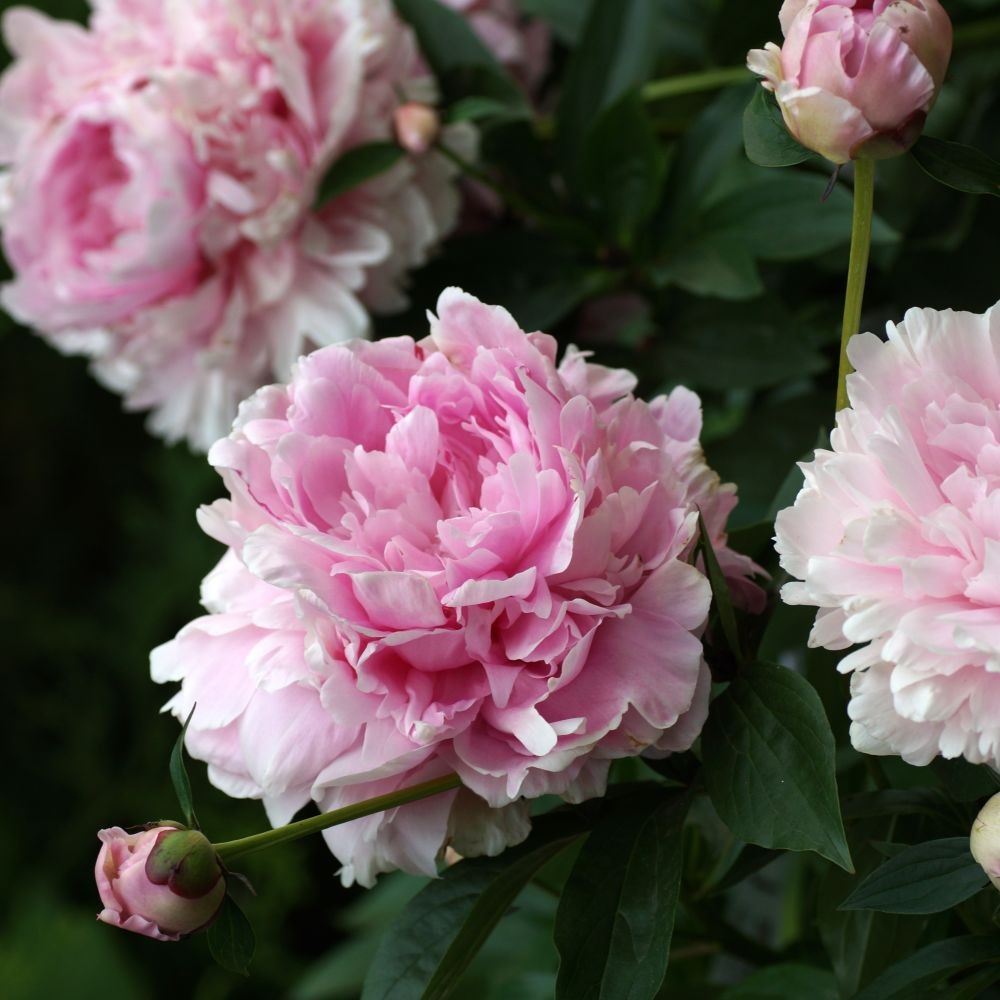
896, 537
449, 555
856, 78
161, 171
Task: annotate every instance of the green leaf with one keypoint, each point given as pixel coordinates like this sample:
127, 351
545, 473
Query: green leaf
565, 17
785, 217
712, 266
462, 63
862, 943
617, 51
725, 345
930, 966
623, 168
231, 939
475, 109
766, 138
768, 756
179, 776
925, 878
721, 597
616, 914
356, 166
786, 982
431, 943
963, 168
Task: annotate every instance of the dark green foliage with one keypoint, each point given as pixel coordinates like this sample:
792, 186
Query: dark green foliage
231, 938
768, 754
616, 914
925, 878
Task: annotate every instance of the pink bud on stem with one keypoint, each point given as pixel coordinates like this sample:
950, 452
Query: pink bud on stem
855, 79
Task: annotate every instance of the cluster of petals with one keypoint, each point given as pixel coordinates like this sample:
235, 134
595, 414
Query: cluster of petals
450, 556
856, 77
896, 538
160, 171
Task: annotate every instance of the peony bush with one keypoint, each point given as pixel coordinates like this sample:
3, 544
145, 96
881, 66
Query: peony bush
485, 611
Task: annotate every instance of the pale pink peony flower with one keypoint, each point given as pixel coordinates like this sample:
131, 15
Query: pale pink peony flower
161, 171
521, 44
162, 882
856, 78
896, 537
449, 556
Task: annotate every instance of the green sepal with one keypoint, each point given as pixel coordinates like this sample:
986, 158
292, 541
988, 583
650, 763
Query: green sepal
179, 776
766, 138
186, 862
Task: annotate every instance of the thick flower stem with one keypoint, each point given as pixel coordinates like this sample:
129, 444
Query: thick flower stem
857, 268
303, 828
695, 83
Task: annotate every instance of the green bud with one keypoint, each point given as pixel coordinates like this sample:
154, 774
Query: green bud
185, 862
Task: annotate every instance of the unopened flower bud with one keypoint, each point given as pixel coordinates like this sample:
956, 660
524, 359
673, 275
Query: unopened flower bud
162, 882
984, 841
856, 78
417, 126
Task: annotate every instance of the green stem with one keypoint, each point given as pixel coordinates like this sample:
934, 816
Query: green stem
304, 827
857, 268
695, 83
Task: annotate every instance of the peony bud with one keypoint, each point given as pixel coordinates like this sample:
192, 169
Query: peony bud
984, 841
856, 78
162, 882
417, 126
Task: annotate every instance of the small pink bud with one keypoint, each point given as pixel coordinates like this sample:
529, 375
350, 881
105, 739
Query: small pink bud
162, 882
417, 126
856, 78
984, 841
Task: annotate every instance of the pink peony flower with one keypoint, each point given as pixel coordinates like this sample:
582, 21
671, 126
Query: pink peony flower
896, 537
856, 78
449, 555
161, 171
521, 44
162, 882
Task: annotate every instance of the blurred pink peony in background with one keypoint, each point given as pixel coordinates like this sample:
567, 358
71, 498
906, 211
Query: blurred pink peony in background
451, 555
161, 168
896, 537
856, 77
521, 44
162, 882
